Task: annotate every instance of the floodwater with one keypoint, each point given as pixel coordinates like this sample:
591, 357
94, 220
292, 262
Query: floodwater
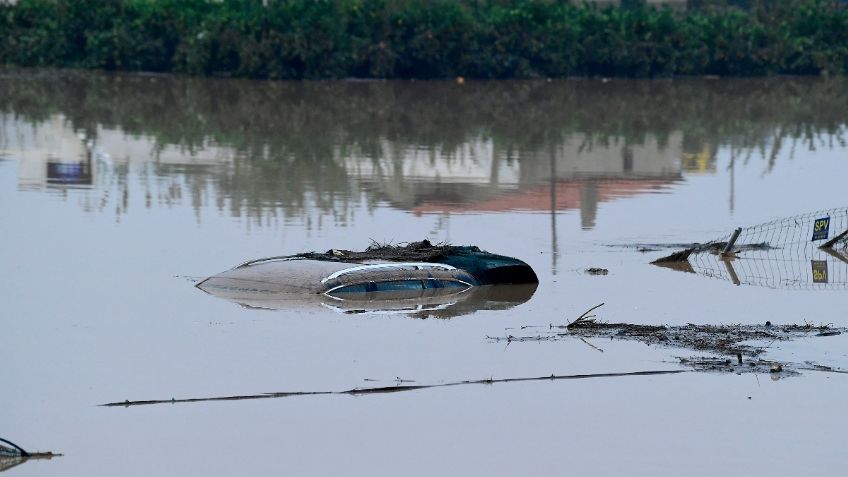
119, 192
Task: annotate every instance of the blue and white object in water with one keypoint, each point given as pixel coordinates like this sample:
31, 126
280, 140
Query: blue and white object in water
345, 282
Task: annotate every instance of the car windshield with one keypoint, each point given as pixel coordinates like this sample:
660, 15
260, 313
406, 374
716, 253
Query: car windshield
386, 267
396, 285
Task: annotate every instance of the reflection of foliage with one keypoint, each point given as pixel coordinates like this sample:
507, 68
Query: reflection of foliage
427, 39
310, 122
289, 136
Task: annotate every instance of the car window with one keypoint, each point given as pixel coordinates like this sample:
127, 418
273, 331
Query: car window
394, 285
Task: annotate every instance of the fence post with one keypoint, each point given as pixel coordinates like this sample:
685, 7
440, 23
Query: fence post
731, 242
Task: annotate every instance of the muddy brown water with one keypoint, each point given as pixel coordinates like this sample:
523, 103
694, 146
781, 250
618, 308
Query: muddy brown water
118, 192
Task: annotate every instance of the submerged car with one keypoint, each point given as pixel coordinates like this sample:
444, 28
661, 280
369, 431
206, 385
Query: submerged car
415, 278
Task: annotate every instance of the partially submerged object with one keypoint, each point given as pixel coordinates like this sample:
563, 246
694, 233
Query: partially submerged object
417, 278
12, 455
808, 251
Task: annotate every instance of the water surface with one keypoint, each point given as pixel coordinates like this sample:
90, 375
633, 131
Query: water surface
118, 192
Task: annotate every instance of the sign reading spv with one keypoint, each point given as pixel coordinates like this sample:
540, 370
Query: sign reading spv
821, 227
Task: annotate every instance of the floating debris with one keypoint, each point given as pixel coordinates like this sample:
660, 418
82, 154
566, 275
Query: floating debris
391, 389
720, 339
717, 339
596, 271
732, 340
714, 364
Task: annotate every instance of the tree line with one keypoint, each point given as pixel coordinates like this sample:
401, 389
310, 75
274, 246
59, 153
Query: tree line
319, 39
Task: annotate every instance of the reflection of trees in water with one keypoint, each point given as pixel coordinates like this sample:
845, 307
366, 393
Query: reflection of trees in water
293, 139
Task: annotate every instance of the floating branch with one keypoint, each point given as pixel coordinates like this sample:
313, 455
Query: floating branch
719, 339
390, 389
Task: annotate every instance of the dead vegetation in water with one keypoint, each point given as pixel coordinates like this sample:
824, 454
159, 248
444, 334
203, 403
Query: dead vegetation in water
423, 251
726, 341
743, 343
717, 364
719, 339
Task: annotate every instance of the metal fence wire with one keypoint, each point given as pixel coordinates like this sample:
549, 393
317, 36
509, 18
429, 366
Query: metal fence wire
807, 251
800, 234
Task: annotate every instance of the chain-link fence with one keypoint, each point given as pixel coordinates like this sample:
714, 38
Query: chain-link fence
807, 251
800, 234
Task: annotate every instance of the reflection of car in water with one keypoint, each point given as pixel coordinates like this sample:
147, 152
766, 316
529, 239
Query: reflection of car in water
444, 281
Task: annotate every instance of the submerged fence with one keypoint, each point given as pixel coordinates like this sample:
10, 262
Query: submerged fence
798, 234
807, 251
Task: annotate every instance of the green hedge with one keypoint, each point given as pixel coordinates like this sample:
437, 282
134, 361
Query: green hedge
426, 38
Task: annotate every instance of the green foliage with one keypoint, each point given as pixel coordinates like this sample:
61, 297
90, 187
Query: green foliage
427, 38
